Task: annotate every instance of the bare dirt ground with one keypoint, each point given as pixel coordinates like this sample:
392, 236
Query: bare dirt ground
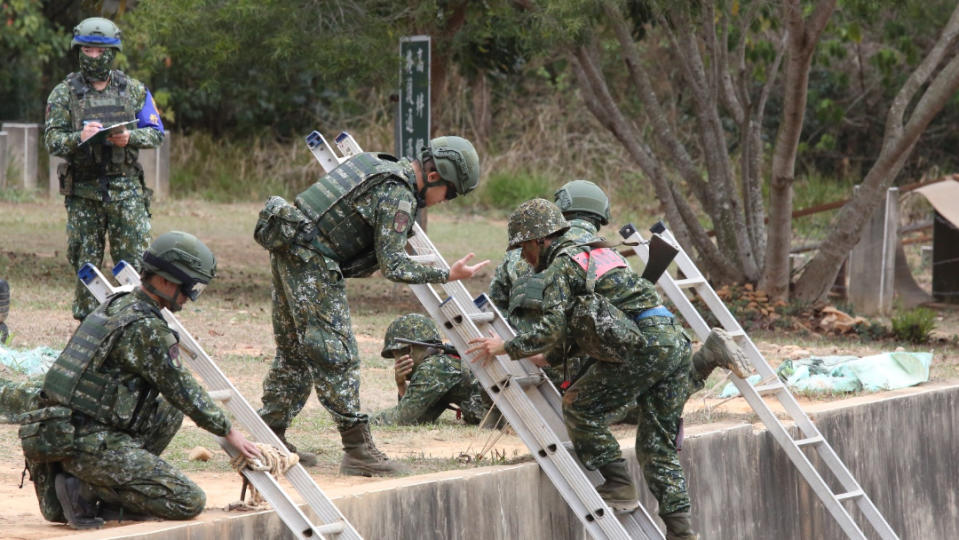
232, 321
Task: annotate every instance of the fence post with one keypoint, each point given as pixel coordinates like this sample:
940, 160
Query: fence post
22, 142
872, 263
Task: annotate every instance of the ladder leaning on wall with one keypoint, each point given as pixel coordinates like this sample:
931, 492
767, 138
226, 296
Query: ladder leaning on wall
520, 390
769, 385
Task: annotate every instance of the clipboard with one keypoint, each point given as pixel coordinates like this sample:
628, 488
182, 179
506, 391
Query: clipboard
100, 137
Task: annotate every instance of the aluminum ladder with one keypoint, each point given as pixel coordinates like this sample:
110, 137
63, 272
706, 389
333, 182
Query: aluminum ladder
769, 385
334, 524
520, 390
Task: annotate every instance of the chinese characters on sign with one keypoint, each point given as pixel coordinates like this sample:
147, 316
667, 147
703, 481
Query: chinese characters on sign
413, 114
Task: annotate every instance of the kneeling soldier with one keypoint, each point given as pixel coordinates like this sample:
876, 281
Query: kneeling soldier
115, 397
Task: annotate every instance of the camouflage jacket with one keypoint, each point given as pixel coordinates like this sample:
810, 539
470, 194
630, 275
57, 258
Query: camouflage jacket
62, 137
148, 349
514, 267
565, 280
383, 207
436, 382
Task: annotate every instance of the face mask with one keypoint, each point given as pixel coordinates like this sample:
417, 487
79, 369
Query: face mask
97, 69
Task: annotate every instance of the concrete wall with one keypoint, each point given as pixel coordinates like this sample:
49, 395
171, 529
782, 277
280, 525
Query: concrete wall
901, 449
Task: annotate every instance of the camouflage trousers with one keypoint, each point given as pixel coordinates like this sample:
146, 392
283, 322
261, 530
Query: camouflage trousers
89, 221
315, 345
122, 468
657, 379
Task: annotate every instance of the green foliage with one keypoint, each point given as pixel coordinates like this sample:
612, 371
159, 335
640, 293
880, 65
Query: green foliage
871, 331
914, 325
505, 191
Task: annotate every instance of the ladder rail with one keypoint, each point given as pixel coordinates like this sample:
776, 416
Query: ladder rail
807, 428
231, 399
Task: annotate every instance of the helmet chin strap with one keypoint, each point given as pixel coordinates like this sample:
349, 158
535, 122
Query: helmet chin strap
171, 301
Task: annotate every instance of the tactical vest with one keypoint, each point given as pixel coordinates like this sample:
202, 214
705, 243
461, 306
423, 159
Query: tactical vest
527, 294
111, 106
76, 378
344, 234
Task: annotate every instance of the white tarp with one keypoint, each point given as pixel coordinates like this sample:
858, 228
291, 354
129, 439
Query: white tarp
944, 197
836, 374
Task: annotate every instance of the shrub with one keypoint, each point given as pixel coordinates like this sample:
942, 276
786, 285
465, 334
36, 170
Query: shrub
914, 325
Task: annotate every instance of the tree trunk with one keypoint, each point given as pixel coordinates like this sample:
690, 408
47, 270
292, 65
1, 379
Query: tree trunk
801, 44
898, 142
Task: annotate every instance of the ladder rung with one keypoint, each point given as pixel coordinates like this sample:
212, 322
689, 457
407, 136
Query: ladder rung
687, 283
220, 395
736, 333
811, 440
424, 259
530, 380
850, 495
769, 388
330, 528
482, 317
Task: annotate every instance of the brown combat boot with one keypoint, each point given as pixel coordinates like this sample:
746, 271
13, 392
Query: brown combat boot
362, 458
720, 350
679, 526
307, 459
618, 491
79, 502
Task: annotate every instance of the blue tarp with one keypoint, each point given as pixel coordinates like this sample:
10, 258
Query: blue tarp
836, 374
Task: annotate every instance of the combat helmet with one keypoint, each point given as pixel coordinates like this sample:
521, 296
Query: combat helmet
183, 259
534, 219
410, 326
96, 32
457, 163
583, 196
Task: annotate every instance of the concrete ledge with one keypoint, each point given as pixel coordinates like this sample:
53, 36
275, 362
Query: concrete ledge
901, 448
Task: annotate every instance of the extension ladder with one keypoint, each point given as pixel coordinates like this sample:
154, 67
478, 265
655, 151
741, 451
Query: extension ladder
520, 390
222, 390
693, 279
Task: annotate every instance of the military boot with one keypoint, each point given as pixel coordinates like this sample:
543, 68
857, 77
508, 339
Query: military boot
79, 502
618, 491
720, 350
362, 458
307, 459
679, 526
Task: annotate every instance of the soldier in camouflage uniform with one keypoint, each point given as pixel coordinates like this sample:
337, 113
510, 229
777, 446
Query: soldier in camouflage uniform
351, 222
594, 299
114, 398
586, 207
427, 379
101, 179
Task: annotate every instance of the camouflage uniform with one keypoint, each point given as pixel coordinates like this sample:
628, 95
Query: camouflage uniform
564, 368
102, 183
122, 465
436, 382
311, 317
655, 374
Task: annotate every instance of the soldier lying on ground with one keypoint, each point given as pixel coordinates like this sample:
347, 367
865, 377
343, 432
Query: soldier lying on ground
115, 397
429, 380
592, 298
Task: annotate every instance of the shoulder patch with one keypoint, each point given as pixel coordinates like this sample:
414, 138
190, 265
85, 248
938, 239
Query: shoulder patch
401, 221
405, 206
171, 344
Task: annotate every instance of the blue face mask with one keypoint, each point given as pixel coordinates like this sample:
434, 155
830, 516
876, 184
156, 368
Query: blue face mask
97, 69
